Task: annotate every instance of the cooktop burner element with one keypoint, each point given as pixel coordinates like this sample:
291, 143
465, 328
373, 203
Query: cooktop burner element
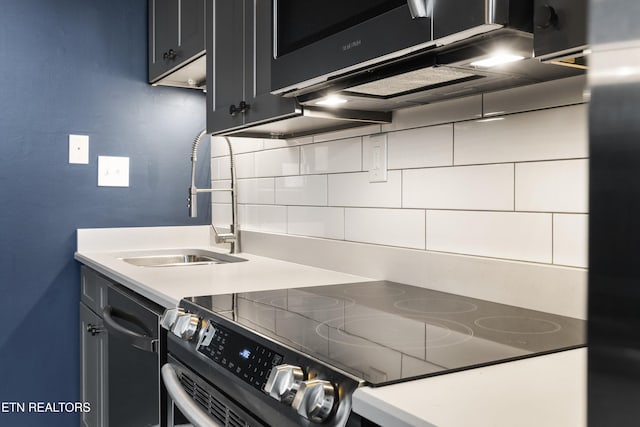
384, 332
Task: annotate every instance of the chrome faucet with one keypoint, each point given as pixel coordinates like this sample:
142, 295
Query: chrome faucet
233, 237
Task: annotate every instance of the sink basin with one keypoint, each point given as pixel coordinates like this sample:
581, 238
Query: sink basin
180, 257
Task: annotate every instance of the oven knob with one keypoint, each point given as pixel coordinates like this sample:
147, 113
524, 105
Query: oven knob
283, 382
170, 316
186, 326
315, 400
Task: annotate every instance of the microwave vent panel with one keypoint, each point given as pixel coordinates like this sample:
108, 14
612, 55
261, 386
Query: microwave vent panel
411, 81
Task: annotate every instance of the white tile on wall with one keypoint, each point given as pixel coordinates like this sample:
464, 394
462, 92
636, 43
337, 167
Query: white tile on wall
557, 186
283, 143
324, 222
509, 235
220, 168
278, 162
245, 165
554, 93
343, 155
219, 196
484, 187
221, 214
266, 218
347, 133
393, 227
556, 133
302, 190
354, 189
256, 191
439, 112
571, 240
239, 145
421, 147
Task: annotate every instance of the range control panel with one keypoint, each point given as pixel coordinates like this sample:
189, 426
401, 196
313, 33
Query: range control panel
245, 358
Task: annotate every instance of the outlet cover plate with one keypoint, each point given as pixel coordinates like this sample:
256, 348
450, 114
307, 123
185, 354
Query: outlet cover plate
377, 146
113, 171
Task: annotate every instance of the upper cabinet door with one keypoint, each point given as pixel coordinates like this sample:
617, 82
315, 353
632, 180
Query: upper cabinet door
176, 34
258, 54
225, 65
192, 28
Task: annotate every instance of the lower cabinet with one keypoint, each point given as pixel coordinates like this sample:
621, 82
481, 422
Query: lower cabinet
122, 348
93, 375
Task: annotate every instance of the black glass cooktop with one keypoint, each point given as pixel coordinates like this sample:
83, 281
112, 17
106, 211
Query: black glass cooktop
385, 332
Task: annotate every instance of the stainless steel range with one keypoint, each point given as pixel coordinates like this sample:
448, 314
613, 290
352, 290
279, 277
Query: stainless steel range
294, 356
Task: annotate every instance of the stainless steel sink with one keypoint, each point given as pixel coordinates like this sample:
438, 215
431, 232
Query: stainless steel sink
180, 257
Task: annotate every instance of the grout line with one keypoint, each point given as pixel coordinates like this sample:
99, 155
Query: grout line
552, 227
425, 229
514, 187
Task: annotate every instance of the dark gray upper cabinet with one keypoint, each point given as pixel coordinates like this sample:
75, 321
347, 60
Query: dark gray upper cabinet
176, 37
239, 42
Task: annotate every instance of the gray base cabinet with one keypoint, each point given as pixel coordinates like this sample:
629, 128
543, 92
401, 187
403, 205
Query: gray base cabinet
122, 348
239, 50
176, 35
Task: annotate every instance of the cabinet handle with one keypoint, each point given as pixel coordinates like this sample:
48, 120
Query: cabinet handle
94, 329
170, 55
243, 107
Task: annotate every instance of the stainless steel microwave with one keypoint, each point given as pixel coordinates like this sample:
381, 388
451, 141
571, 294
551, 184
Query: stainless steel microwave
316, 41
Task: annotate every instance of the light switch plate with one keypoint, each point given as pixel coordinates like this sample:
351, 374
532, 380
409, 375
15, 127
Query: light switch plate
377, 146
113, 171
79, 149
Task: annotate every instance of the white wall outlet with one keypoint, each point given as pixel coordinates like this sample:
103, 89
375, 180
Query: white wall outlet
377, 146
79, 149
113, 171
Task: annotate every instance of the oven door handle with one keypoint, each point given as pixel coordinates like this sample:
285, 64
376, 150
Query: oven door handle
189, 408
141, 341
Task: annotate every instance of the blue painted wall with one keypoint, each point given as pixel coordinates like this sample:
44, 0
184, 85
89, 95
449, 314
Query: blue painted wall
76, 66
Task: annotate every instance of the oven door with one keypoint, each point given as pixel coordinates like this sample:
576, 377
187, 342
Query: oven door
315, 40
193, 401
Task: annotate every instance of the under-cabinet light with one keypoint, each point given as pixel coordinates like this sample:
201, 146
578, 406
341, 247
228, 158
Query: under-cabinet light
497, 59
331, 101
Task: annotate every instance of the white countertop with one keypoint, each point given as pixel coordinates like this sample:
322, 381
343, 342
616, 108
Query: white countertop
101, 249
541, 391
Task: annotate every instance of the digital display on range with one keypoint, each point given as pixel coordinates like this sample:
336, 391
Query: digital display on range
242, 356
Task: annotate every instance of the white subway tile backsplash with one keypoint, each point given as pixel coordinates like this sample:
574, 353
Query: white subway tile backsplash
557, 133
393, 227
354, 189
439, 112
509, 235
265, 218
343, 155
571, 240
554, 93
278, 162
474, 184
316, 222
301, 190
421, 147
558, 186
484, 187
256, 191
